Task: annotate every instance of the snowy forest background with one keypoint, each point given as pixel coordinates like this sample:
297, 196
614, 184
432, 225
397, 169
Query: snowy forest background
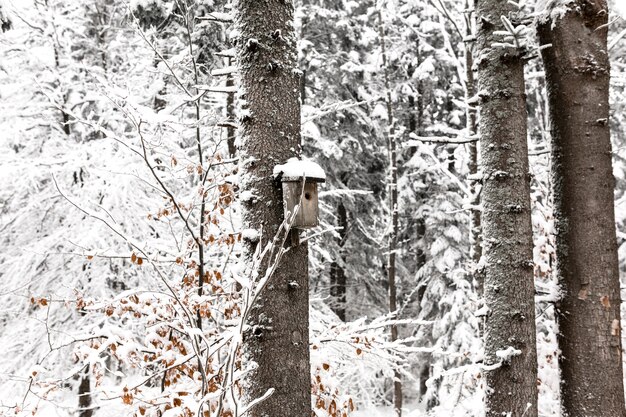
101, 102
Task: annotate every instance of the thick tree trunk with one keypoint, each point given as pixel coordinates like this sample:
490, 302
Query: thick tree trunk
577, 76
278, 335
507, 232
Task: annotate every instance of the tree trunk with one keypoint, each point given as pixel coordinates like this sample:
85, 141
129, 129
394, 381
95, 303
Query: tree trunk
471, 126
338, 290
5, 20
337, 271
278, 335
84, 395
577, 77
393, 209
231, 132
507, 232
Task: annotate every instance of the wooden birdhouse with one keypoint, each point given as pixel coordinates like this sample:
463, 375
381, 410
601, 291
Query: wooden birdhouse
300, 179
294, 193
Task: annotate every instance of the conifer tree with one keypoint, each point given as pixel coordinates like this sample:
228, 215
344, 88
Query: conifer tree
577, 80
278, 335
510, 350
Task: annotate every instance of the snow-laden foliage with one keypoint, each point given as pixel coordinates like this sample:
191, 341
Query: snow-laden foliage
100, 270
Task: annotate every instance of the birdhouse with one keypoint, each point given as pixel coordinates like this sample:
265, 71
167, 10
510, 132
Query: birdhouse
306, 195
300, 179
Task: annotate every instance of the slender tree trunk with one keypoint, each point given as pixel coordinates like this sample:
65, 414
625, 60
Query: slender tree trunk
84, 394
231, 131
577, 77
415, 125
5, 20
472, 127
415, 121
507, 232
475, 237
393, 208
65, 118
278, 335
338, 290
337, 271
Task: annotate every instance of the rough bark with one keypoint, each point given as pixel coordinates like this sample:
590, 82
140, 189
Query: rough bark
507, 233
277, 338
577, 77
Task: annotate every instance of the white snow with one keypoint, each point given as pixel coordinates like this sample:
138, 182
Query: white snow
619, 7
425, 69
217, 88
310, 129
252, 235
134, 4
247, 195
508, 353
380, 111
551, 10
224, 71
482, 312
295, 167
223, 17
413, 20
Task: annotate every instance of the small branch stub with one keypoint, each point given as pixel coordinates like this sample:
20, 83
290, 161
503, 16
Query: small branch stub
299, 180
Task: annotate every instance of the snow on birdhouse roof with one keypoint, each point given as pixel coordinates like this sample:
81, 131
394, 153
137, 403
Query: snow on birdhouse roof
294, 169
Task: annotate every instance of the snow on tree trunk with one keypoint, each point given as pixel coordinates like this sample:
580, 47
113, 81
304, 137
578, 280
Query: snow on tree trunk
392, 184
231, 131
577, 77
277, 337
507, 232
471, 126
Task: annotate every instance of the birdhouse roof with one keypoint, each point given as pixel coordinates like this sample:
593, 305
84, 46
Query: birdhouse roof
294, 169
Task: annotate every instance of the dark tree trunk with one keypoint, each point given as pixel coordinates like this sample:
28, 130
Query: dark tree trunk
337, 271
338, 290
84, 395
5, 22
278, 335
420, 232
231, 131
392, 191
577, 77
66, 119
507, 233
